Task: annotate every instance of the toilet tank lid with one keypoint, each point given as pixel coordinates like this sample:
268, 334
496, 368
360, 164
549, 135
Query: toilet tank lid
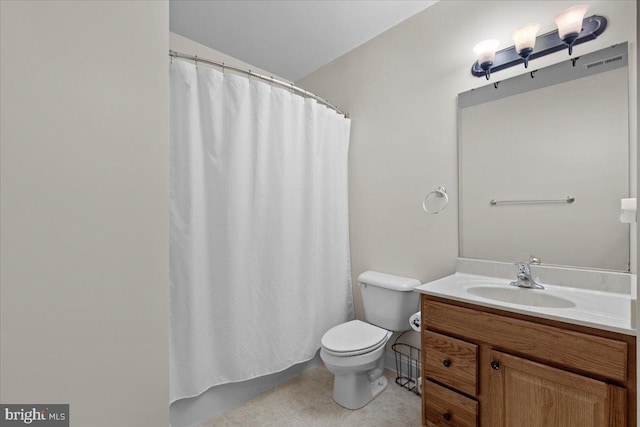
389, 281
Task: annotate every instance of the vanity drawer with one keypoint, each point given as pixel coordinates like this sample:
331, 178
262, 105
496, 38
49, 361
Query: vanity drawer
451, 362
443, 407
550, 344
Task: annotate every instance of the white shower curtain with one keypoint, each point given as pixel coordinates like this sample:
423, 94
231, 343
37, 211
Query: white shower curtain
258, 227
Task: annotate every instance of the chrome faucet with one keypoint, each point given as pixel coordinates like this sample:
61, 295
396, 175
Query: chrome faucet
524, 275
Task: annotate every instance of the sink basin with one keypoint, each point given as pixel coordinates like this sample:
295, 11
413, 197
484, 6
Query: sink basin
522, 296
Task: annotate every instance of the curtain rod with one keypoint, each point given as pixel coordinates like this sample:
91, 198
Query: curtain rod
269, 79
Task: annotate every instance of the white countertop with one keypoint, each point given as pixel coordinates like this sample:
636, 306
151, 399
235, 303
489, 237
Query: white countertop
609, 311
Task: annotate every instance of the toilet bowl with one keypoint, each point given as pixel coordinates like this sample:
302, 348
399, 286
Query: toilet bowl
354, 351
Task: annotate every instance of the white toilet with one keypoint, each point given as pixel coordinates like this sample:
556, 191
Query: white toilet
354, 351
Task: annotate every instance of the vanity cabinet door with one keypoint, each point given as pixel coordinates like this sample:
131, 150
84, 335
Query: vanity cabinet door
528, 394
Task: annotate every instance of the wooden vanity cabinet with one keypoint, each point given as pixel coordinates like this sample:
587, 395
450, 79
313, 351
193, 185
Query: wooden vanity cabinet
491, 368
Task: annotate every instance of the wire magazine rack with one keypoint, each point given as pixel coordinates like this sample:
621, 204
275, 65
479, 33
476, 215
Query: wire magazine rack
407, 367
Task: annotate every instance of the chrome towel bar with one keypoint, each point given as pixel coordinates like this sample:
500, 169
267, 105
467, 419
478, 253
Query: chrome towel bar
568, 199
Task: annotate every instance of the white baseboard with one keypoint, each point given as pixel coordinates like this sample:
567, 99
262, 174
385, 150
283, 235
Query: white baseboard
219, 399
390, 361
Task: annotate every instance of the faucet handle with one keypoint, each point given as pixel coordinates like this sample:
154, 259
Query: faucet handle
523, 267
534, 261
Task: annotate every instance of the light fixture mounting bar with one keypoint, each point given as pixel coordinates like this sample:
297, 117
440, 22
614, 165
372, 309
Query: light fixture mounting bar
547, 43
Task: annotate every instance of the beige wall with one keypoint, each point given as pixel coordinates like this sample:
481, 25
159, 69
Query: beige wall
636, 104
400, 90
84, 163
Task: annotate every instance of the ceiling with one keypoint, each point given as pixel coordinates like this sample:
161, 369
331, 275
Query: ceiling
290, 38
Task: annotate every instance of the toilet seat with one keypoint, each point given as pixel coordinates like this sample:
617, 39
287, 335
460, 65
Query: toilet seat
354, 338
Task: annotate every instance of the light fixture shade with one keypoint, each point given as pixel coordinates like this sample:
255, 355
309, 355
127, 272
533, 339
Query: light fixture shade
525, 37
569, 21
486, 51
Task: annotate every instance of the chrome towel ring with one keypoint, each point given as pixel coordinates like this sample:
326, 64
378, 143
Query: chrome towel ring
439, 192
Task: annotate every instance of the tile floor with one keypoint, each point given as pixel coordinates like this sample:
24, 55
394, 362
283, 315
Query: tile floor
306, 401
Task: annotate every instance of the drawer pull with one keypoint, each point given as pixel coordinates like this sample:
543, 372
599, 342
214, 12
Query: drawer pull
495, 365
446, 416
446, 363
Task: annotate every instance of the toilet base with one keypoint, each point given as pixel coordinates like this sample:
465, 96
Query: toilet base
358, 379
355, 390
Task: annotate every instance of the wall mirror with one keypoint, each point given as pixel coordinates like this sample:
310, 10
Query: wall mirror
543, 163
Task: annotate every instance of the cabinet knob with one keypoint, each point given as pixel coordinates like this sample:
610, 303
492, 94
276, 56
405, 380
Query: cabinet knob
446, 416
446, 363
495, 365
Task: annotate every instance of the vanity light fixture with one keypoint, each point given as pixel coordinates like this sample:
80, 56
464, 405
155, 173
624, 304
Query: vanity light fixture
525, 39
486, 53
569, 23
572, 30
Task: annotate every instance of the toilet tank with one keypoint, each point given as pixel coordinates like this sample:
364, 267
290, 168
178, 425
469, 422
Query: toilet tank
388, 300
